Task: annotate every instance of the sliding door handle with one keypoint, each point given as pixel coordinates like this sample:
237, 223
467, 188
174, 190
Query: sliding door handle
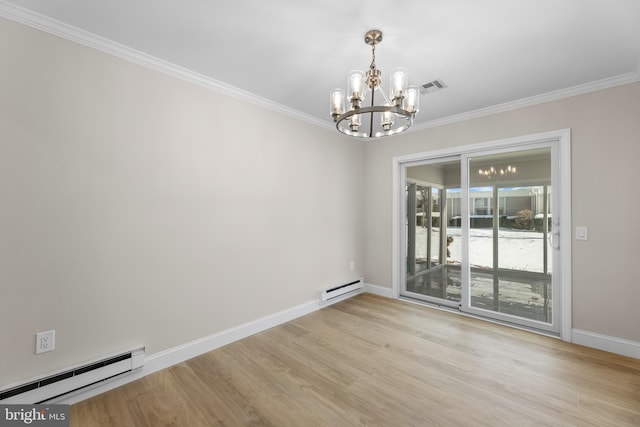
554, 239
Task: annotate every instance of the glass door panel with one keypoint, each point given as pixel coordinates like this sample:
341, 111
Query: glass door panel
431, 210
483, 232
509, 219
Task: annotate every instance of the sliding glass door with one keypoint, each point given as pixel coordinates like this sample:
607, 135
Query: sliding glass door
509, 220
478, 234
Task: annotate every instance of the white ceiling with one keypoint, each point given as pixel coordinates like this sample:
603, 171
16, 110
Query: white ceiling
293, 52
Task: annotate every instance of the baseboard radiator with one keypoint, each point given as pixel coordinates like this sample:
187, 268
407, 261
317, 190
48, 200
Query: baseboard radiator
336, 291
62, 383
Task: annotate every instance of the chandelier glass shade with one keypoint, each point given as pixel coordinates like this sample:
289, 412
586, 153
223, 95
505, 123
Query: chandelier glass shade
373, 113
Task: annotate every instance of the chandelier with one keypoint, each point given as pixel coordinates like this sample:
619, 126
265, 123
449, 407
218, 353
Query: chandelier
366, 119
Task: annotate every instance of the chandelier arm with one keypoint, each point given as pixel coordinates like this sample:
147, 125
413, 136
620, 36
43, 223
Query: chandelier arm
408, 117
373, 95
384, 95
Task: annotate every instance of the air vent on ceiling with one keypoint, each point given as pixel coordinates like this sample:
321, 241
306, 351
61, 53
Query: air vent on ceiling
432, 86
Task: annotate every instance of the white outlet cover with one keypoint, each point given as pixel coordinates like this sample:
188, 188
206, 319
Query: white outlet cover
45, 341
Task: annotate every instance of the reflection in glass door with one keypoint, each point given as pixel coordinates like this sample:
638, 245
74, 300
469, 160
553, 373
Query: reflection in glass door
478, 237
432, 274
509, 219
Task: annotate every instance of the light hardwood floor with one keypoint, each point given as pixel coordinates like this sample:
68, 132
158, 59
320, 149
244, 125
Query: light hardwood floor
380, 362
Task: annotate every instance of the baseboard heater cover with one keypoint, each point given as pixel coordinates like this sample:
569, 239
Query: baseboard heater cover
336, 291
59, 384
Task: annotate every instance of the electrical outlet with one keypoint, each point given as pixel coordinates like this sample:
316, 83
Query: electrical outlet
45, 341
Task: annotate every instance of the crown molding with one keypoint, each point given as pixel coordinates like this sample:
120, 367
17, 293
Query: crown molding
606, 83
85, 38
60, 29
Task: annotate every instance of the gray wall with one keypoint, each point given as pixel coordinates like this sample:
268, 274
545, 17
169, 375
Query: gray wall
605, 149
141, 209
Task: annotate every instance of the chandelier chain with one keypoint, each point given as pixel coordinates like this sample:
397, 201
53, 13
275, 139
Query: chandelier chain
373, 57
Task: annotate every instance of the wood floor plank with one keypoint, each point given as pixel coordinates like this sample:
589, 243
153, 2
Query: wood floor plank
217, 397
372, 361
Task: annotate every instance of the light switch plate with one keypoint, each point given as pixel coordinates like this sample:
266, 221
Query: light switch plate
582, 233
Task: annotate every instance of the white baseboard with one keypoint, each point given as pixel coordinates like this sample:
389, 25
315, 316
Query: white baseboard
607, 343
175, 355
378, 290
164, 359
611, 344
172, 356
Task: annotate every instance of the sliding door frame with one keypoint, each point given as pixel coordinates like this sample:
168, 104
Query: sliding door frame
562, 213
554, 326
